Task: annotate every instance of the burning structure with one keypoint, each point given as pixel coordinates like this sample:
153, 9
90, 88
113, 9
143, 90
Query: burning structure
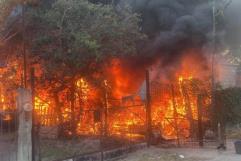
177, 91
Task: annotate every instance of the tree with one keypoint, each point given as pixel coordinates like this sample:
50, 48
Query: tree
228, 105
72, 39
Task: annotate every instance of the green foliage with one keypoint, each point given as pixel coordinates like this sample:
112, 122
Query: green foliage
75, 36
228, 105
6, 7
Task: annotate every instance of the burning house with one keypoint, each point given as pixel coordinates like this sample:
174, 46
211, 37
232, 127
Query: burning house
177, 90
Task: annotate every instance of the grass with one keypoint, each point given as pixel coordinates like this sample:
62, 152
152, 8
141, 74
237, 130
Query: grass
56, 149
61, 149
233, 133
52, 153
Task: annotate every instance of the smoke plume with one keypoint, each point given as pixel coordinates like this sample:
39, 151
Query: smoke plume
174, 27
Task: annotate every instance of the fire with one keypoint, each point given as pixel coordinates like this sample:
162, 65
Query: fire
83, 86
180, 79
42, 109
123, 80
173, 103
7, 117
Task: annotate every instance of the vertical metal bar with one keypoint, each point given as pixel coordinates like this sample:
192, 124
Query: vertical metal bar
148, 109
33, 113
1, 113
106, 108
188, 108
101, 136
9, 122
72, 107
175, 114
15, 127
200, 128
1, 124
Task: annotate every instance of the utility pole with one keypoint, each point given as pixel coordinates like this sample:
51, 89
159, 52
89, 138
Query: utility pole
24, 48
24, 106
214, 44
219, 124
213, 86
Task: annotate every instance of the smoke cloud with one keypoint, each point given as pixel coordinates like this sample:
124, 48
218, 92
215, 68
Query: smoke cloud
175, 27
233, 27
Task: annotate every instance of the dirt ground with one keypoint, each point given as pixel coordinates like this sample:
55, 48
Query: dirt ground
154, 153
184, 154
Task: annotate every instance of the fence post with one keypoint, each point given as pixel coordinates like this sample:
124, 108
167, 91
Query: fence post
175, 114
24, 105
148, 108
188, 109
200, 128
35, 123
102, 137
106, 126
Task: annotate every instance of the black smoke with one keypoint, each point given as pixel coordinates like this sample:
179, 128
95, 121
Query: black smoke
174, 26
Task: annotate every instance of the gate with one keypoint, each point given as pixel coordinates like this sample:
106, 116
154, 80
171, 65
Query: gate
181, 111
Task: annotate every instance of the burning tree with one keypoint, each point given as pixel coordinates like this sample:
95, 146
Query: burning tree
71, 40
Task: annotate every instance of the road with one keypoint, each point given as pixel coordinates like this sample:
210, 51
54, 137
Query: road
184, 154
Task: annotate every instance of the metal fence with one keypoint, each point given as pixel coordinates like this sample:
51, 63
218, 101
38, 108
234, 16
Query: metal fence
8, 135
126, 125
91, 137
182, 111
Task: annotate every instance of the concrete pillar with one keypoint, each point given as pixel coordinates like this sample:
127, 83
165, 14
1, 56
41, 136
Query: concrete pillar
24, 105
